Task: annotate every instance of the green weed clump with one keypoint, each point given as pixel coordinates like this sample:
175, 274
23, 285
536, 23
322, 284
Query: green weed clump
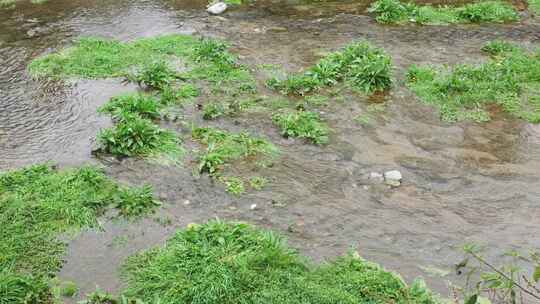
218, 67
228, 263
214, 110
395, 11
363, 66
145, 106
534, 6
233, 185
224, 147
134, 133
172, 95
39, 204
498, 47
302, 124
136, 136
156, 75
510, 80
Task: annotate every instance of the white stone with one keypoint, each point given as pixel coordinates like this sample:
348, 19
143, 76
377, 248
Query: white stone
376, 177
253, 206
393, 178
217, 8
187, 202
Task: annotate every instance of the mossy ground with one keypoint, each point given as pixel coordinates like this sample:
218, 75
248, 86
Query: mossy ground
221, 262
38, 205
510, 80
396, 11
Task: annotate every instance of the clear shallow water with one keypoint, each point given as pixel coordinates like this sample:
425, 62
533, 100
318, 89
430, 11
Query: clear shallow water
462, 182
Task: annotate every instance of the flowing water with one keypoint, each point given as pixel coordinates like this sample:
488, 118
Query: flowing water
462, 182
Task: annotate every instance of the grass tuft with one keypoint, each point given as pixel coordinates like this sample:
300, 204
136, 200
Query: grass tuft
223, 147
395, 11
510, 80
302, 124
156, 75
144, 106
498, 47
233, 185
136, 136
221, 262
363, 66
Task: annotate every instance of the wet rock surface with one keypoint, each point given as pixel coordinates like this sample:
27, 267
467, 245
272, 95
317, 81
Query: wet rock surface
217, 8
464, 182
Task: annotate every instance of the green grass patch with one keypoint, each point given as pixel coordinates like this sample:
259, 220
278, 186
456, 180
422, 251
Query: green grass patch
534, 7
302, 124
258, 182
149, 62
101, 58
7, 3
363, 66
215, 109
396, 11
38, 205
221, 262
233, 185
10, 4
177, 95
510, 80
223, 147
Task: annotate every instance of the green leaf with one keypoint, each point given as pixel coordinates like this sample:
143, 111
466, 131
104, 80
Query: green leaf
472, 299
536, 274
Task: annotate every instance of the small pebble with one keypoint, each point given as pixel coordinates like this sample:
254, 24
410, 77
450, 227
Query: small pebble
253, 206
187, 202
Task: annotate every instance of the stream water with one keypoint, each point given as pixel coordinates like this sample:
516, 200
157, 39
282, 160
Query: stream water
462, 182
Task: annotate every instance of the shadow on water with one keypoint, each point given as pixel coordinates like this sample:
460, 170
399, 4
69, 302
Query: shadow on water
462, 182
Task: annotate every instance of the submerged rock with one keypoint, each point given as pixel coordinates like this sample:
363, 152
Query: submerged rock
277, 29
393, 178
217, 8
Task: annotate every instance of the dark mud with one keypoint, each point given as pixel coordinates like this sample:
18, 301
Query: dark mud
462, 182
